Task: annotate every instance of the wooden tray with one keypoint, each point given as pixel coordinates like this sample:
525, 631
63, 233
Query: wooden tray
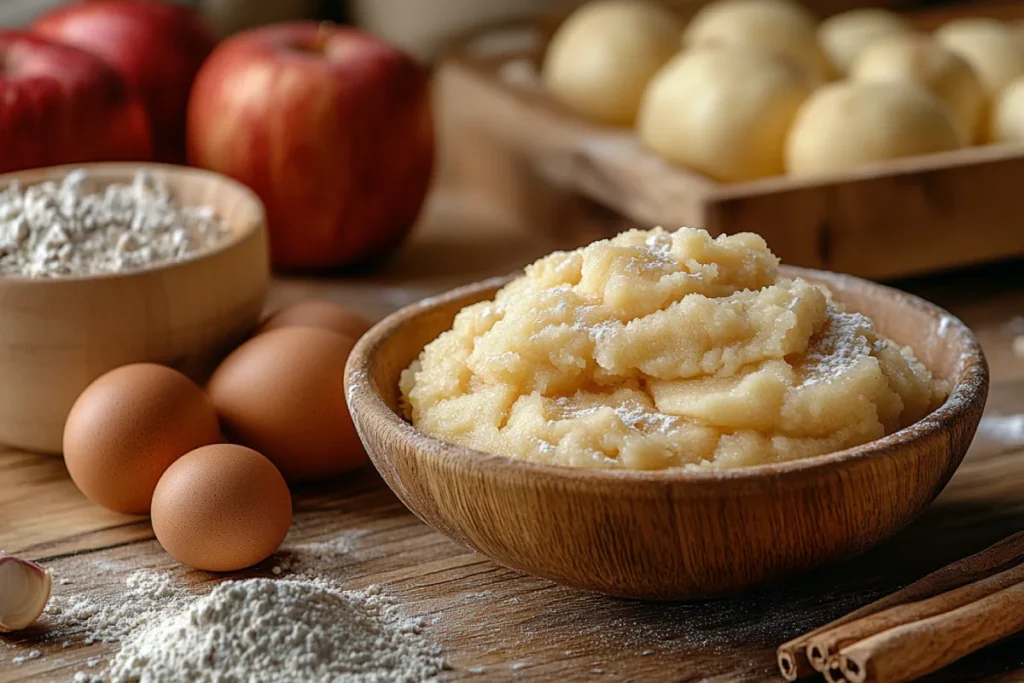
880, 221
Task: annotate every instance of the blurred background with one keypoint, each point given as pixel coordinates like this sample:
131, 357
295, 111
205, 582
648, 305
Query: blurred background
519, 107
422, 27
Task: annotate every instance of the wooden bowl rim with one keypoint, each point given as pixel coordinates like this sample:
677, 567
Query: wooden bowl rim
171, 171
972, 387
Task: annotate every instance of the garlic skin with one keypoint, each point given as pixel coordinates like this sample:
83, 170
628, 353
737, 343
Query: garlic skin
24, 592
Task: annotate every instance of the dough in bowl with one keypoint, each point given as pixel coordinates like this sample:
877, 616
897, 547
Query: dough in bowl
850, 123
722, 111
921, 60
655, 350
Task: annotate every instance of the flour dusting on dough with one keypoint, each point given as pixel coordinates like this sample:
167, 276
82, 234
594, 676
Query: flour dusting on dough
655, 350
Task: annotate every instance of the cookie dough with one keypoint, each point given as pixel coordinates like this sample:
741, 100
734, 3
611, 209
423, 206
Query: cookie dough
655, 350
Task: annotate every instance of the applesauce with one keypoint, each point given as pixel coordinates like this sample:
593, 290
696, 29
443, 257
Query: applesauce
655, 350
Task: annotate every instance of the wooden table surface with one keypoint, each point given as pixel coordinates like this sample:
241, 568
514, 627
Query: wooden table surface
497, 624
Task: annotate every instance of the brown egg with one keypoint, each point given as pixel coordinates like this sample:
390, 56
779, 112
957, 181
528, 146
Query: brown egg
221, 508
126, 429
282, 393
322, 314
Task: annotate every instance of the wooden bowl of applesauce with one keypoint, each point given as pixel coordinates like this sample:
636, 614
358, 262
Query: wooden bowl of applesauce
58, 334
672, 534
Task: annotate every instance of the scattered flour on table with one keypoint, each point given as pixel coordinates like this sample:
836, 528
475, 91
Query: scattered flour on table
325, 558
266, 630
21, 659
56, 229
317, 558
146, 595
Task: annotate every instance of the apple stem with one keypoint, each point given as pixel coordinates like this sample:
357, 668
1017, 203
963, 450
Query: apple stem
323, 32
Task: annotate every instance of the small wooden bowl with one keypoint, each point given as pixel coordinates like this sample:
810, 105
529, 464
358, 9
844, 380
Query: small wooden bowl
59, 334
672, 535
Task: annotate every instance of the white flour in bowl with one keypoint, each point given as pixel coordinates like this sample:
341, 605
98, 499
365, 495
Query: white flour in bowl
58, 229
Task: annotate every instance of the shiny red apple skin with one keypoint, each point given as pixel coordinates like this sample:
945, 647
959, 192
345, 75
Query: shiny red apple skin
330, 126
61, 105
157, 47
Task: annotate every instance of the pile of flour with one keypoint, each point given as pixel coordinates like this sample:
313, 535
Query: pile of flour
58, 229
267, 630
293, 628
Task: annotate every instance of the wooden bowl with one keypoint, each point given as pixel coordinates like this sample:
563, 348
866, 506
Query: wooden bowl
671, 534
59, 334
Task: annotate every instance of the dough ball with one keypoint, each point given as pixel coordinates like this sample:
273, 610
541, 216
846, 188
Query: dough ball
723, 112
846, 35
919, 59
778, 27
603, 55
1008, 113
992, 47
850, 123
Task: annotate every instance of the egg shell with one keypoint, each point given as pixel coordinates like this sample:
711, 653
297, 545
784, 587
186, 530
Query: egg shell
321, 314
221, 508
126, 429
282, 393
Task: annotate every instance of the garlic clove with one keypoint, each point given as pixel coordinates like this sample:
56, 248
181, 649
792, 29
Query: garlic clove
24, 592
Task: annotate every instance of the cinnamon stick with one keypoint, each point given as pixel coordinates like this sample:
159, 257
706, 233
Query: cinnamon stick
920, 647
792, 656
825, 646
834, 672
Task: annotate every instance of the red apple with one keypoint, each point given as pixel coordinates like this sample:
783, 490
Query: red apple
61, 105
157, 48
330, 126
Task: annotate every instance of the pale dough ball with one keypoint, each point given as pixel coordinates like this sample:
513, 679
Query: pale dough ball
603, 55
1008, 113
992, 47
850, 123
723, 112
919, 59
845, 35
778, 27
